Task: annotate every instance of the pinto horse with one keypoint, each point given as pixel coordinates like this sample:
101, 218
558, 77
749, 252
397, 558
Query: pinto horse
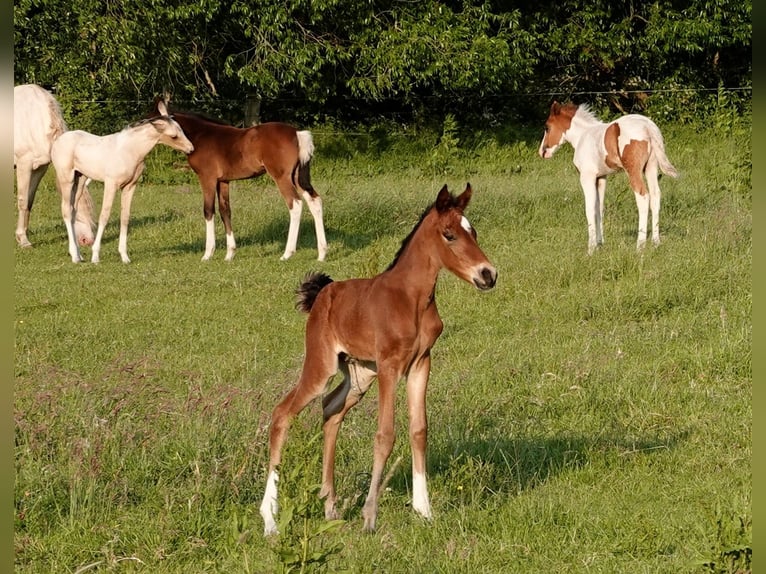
380, 327
116, 159
37, 122
632, 143
223, 153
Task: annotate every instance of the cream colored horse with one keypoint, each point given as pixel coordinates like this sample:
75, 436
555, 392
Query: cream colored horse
117, 160
37, 122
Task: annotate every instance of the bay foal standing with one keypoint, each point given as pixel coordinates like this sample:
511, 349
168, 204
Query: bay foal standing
224, 153
380, 327
632, 143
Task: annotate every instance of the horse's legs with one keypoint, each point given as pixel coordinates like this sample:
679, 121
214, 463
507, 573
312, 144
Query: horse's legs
294, 206
67, 190
356, 381
655, 195
642, 202
318, 367
384, 442
315, 206
110, 189
600, 195
209, 187
27, 181
417, 382
588, 183
126, 199
224, 206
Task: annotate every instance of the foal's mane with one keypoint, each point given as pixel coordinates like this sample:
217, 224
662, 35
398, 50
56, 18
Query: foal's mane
204, 117
406, 240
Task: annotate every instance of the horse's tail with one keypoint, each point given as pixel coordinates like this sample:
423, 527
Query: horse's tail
309, 288
658, 145
303, 167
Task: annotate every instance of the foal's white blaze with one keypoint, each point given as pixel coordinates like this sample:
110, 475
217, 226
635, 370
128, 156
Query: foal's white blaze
269, 505
465, 224
420, 502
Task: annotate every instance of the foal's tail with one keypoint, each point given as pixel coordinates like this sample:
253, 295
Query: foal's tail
309, 288
302, 168
658, 145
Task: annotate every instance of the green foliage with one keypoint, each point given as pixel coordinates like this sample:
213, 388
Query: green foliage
313, 60
300, 546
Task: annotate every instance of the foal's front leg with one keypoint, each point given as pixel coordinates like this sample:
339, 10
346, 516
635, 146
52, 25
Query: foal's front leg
417, 382
126, 200
224, 206
589, 188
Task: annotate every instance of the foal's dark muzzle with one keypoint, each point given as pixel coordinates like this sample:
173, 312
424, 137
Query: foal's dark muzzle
487, 279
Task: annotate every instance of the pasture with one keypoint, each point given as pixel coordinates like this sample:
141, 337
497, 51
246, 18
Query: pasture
589, 414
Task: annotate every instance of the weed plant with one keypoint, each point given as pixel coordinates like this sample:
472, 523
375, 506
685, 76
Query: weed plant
590, 414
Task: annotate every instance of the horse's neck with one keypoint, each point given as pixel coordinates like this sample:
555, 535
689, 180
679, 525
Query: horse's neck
416, 270
581, 124
138, 141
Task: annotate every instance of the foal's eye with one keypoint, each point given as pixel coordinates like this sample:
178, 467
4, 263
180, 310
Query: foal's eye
448, 235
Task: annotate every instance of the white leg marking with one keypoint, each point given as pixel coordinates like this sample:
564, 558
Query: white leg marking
231, 246
292, 233
269, 505
420, 502
315, 206
209, 239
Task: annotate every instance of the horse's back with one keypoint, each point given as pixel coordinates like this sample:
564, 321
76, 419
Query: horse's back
37, 122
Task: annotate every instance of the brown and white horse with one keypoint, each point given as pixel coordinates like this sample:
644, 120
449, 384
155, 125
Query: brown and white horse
37, 122
632, 143
380, 327
116, 159
224, 153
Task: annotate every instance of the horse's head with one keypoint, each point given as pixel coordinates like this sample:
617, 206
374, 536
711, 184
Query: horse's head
170, 133
457, 246
556, 127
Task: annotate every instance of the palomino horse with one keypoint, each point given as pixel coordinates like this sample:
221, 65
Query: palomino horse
223, 153
381, 327
37, 121
633, 143
117, 160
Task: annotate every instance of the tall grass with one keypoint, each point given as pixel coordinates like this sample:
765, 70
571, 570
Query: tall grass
591, 414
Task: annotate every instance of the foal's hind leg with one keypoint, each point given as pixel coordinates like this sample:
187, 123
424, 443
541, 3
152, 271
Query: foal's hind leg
315, 206
225, 208
357, 379
67, 189
652, 180
318, 368
294, 206
110, 189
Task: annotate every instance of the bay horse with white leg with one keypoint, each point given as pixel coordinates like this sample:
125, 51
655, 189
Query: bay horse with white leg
224, 153
632, 143
116, 159
380, 327
37, 122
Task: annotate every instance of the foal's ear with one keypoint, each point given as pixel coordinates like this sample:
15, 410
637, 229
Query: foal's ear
461, 201
555, 108
444, 199
161, 107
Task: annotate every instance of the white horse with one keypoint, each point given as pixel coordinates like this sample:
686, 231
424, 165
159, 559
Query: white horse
633, 143
37, 122
117, 160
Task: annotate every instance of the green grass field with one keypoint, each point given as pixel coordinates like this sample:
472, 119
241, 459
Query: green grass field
590, 414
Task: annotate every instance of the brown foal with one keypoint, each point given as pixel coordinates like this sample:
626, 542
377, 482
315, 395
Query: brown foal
380, 327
